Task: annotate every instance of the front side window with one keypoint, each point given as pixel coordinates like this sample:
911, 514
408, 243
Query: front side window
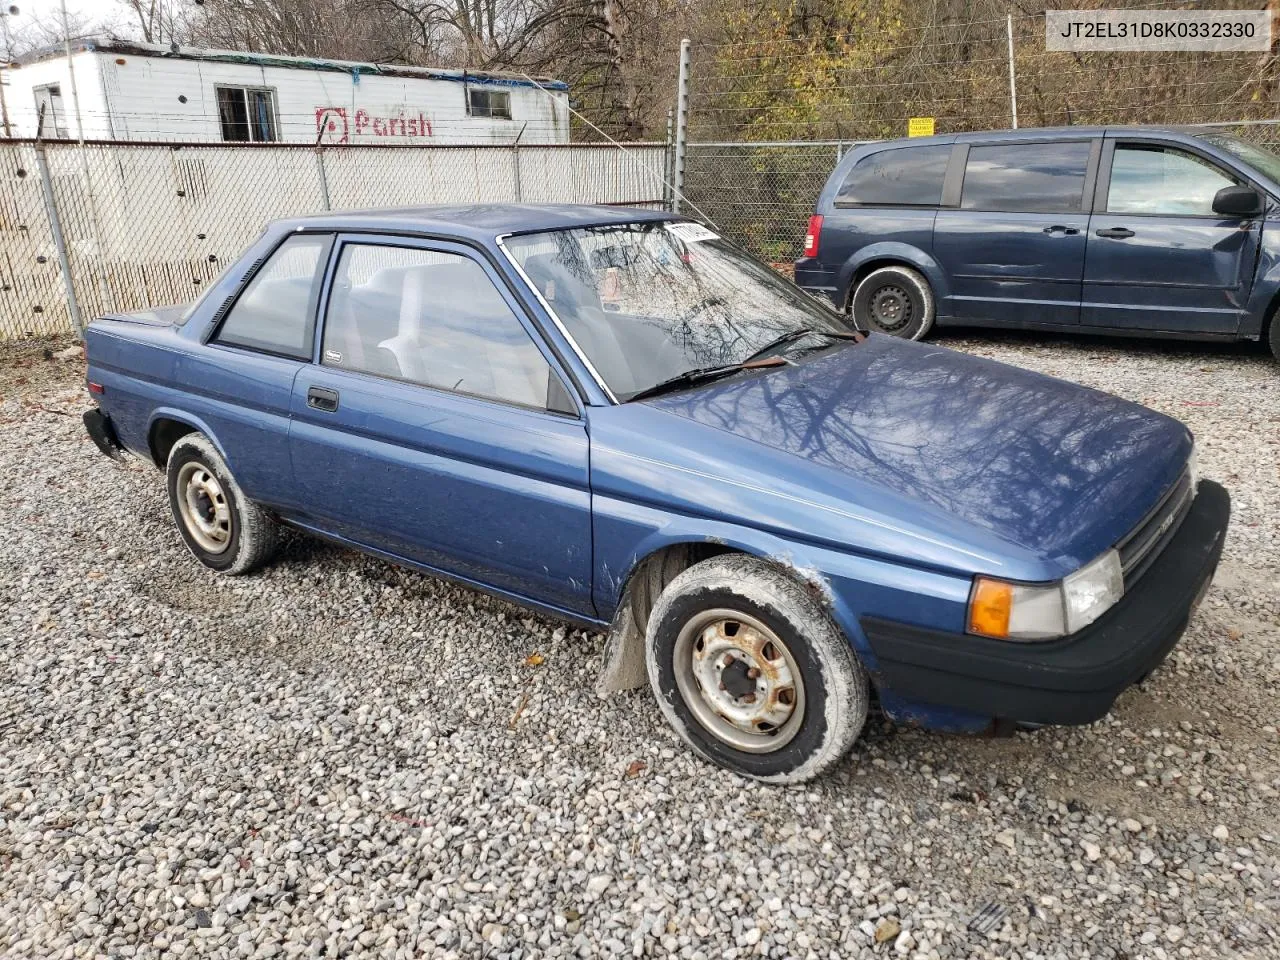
276, 311
434, 319
1026, 177
1163, 181
904, 176
247, 114
646, 302
1262, 159
495, 104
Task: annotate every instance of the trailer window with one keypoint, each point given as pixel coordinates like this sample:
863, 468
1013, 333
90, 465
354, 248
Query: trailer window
247, 114
494, 104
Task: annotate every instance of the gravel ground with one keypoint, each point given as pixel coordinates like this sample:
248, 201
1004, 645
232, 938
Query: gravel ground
337, 757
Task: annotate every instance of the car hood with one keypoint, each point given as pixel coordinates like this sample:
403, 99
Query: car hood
933, 437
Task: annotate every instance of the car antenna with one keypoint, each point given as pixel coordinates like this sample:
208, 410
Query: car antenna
664, 180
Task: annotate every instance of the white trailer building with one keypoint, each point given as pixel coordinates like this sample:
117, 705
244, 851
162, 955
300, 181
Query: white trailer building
146, 92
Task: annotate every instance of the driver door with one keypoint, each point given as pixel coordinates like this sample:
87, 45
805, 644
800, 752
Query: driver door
1158, 257
437, 428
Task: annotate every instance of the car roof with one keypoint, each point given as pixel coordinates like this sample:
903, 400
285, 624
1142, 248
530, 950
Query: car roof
479, 222
1044, 133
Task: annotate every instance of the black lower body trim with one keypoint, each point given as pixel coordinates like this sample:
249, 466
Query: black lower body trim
103, 434
1075, 679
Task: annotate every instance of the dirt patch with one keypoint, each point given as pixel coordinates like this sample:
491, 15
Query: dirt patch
32, 366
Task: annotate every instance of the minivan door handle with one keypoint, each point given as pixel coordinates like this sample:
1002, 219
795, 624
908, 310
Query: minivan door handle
1065, 231
1115, 233
319, 398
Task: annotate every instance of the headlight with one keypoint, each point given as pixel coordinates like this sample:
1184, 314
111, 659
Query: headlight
1193, 466
1020, 611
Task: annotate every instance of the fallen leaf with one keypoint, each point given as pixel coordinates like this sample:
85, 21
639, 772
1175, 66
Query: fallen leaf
887, 929
1234, 634
534, 660
634, 768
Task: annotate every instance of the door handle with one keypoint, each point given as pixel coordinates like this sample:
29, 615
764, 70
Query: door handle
1115, 233
1064, 230
319, 398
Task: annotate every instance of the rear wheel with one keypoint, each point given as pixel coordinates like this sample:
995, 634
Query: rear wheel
750, 670
1273, 341
895, 300
225, 531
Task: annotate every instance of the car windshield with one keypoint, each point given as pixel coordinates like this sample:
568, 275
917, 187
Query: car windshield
1265, 161
651, 301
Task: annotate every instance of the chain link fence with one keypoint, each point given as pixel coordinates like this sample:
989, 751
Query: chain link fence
760, 194
145, 224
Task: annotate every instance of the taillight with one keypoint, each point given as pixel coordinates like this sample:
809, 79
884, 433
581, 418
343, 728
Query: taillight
812, 234
97, 388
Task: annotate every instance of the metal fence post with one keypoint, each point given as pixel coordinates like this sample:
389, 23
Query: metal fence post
55, 229
324, 177
515, 164
668, 145
1013, 75
682, 127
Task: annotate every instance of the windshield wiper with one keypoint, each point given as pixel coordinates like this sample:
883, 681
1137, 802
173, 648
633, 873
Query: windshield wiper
793, 335
704, 375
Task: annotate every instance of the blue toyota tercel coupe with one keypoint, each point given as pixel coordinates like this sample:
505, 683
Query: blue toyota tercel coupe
616, 417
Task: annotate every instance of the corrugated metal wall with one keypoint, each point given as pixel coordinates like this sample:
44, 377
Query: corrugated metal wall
153, 223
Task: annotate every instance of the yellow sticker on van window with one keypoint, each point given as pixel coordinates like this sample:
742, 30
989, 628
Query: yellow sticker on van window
920, 127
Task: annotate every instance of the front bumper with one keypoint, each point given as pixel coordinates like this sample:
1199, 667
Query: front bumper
1075, 679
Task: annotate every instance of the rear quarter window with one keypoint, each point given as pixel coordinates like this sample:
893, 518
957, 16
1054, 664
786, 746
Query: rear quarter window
276, 311
906, 176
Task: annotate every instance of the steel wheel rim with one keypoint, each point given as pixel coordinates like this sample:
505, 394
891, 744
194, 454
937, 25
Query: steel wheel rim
204, 508
890, 307
715, 654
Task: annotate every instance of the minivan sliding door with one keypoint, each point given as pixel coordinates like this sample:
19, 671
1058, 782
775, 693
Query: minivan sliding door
1013, 242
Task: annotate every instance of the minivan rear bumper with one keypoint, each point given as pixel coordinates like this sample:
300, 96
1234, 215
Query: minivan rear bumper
1076, 679
813, 279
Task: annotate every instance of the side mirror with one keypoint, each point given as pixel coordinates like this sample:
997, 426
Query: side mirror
1237, 202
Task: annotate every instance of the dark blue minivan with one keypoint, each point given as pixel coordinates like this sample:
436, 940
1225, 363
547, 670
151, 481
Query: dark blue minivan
1163, 232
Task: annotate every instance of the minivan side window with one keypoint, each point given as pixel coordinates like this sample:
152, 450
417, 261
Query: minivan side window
1043, 177
276, 313
903, 176
434, 319
1161, 180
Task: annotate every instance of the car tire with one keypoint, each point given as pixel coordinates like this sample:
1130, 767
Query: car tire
226, 531
806, 702
894, 300
1273, 341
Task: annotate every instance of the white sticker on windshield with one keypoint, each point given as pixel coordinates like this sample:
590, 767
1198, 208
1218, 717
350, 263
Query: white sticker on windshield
691, 232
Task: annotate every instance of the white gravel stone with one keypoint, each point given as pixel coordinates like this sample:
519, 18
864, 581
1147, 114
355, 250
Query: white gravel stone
326, 758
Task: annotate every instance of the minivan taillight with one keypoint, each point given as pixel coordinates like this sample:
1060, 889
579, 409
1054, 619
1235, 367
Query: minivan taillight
812, 234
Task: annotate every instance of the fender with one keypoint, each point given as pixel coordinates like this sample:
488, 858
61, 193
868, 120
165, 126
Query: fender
894, 251
622, 664
846, 585
192, 420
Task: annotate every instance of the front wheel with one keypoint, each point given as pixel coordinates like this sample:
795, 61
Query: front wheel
751, 672
895, 300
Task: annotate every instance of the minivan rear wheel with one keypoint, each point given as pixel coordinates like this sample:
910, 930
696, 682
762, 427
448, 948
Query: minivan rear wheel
895, 300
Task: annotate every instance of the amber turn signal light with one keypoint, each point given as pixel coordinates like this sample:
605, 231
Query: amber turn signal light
990, 607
